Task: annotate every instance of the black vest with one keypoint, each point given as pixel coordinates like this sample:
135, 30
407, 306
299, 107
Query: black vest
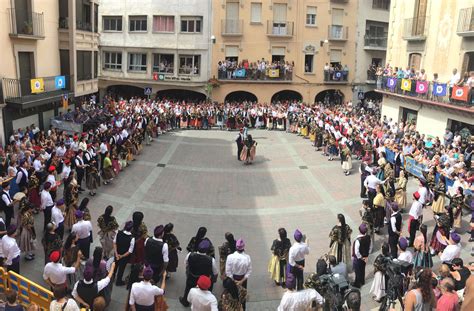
200, 264
154, 253
87, 292
398, 224
364, 245
24, 178
123, 242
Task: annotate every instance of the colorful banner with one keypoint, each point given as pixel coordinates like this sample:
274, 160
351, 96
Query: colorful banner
239, 73
338, 75
406, 85
421, 87
391, 83
390, 155
37, 85
273, 73
60, 82
440, 89
460, 93
414, 168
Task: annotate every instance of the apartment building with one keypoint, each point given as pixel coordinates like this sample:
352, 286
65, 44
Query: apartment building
163, 49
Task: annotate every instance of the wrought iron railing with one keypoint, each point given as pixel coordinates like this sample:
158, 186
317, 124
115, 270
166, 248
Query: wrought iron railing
416, 28
466, 20
280, 28
17, 88
232, 27
337, 32
373, 41
26, 24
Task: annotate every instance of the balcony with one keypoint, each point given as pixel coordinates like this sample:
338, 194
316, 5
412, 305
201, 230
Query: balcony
337, 33
232, 27
252, 75
416, 29
84, 26
17, 92
466, 23
335, 76
280, 29
375, 43
26, 26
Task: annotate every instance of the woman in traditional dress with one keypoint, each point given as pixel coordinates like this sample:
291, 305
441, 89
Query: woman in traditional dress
108, 170
340, 245
92, 178
140, 233
71, 252
277, 266
227, 248
71, 198
51, 242
234, 296
438, 205
379, 208
33, 190
27, 229
440, 234
422, 256
107, 230
346, 158
198, 238
455, 208
401, 191
379, 284
85, 209
173, 248
249, 150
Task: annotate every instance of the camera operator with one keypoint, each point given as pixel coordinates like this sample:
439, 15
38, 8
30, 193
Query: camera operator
422, 296
361, 249
339, 268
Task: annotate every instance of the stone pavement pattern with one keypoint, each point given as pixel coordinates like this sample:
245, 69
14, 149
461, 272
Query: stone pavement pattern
192, 179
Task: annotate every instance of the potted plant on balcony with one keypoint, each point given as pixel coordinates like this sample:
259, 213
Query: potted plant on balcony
28, 28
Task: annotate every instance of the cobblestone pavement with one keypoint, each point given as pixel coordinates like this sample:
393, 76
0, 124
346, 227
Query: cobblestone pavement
192, 178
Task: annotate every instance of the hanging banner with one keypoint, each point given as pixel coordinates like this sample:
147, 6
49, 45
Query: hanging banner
37, 85
460, 93
60, 82
439, 89
273, 73
391, 83
239, 73
421, 87
65, 102
406, 85
414, 168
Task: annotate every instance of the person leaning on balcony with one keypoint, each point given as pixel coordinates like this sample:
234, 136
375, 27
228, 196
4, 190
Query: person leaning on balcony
453, 81
470, 84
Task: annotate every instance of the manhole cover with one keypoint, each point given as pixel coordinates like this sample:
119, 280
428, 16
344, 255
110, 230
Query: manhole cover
303, 167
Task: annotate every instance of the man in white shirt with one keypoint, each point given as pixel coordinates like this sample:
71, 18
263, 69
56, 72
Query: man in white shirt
453, 250
124, 243
7, 203
405, 254
86, 290
83, 229
301, 300
54, 273
46, 203
156, 253
142, 294
362, 247
57, 218
11, 251
371, 182
416, 216
296, 256
200, 298
239, 266
66, 169
453, 81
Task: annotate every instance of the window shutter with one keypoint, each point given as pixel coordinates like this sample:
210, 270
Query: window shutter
278, 51
232, 51
337, 16
279, 12
335, 56
311, 10
256, 13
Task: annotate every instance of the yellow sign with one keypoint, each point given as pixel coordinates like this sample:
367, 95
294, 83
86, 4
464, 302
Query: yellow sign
37, 85
406, 85
65, 102
273, 73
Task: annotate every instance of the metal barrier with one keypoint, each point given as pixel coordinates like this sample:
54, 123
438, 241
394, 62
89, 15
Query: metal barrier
28, 291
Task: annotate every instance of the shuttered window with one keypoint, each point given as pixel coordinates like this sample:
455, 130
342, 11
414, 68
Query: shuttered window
336, 56
256, 12
231, 51
279, 12
279, 51
337, 16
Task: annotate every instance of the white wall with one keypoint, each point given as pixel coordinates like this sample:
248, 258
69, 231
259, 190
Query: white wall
26, 121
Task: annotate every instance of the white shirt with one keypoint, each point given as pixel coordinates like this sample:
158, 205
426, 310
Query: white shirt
60, 151
66, 171
21, 171
299, 300
357, 246
52, 180
1, 248
37, 165
423, 195
164, 250
100, 285
238, 264
82, 228
71, 305
143, 293
416, 209
10, 249
450, 252
6, 198
46, 199
103, 148
297, 252
57, 216
406, 256
57, 273
393, 222
132, 241
372, 181
202, 300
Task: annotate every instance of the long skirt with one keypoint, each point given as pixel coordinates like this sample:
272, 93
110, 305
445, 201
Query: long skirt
401, 198
138, 255
116, 166
92, 181
107, 241
378, 285
26, 237
457, 218
70, 218
438, 205
34, 197
342, 252
173, 261
347, 165
274, 268
247, 155
109, 173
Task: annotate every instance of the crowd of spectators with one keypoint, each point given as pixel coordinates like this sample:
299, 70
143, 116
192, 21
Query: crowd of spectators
260, 70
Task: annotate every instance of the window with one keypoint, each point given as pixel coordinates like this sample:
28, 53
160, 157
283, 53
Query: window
136, 62
337, 16
83, 15
112, 23
163, 23
163, 63
96, 18
414, 61
137, 23
84, 65
96, 65
191, 24
376, 34
335, 57
255, 13
189, 64
232, 53
112, 60
311, 16
308, 63
381, 4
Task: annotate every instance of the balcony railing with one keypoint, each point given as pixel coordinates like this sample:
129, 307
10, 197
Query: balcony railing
416, 29
26, 25
336, 76
373, 42
279, 28
337, 32
84, 26
466, 23
232, 27
63, 23
252, 74
19, 90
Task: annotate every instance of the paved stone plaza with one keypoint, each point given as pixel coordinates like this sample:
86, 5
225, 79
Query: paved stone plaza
192, 178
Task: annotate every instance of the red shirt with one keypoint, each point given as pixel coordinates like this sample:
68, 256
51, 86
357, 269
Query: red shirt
447, 302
